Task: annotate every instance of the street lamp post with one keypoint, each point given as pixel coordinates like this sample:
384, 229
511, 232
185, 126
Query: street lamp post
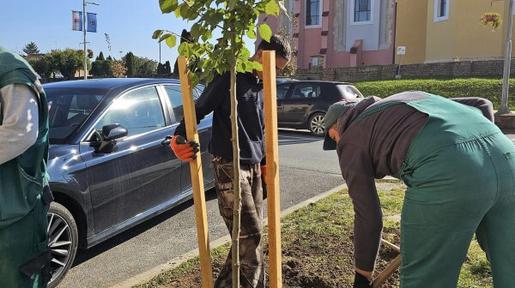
84, 31
505, 109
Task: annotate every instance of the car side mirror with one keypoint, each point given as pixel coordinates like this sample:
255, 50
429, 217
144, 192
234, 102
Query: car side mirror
104, 141
113, 132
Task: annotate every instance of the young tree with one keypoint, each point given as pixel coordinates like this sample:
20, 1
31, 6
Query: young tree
234, 19
31, 49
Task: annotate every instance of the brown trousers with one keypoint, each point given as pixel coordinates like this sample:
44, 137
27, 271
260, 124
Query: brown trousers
251, 254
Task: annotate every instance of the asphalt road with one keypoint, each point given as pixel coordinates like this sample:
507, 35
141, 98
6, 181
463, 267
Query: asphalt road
305, 171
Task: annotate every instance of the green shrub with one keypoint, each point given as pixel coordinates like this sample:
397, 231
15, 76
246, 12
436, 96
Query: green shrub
474, 87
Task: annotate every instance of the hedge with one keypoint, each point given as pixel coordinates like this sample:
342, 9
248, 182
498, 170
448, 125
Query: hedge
471, 87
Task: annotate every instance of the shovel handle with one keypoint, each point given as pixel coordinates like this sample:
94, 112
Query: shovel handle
390, 268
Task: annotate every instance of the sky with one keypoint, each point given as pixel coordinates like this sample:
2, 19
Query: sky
129, 24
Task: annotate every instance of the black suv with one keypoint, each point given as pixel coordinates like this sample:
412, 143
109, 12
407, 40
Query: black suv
303, 104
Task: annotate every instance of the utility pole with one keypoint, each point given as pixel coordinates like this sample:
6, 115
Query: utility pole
159, 52
505, 109
84, 33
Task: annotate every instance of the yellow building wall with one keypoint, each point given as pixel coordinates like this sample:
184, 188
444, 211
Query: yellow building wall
462, 36
411, 30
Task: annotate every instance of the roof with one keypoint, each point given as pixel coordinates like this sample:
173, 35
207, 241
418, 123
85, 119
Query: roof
297, 81
108, 83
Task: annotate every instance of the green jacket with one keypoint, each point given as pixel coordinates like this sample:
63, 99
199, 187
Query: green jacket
23, 178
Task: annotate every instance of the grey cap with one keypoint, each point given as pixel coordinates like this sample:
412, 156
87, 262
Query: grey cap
331, 116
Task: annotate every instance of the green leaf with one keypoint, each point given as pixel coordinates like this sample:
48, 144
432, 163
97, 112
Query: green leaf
251, 34
157, 34
177, 12
265, 32
272, 8
167, 6
171, 41
185, 11
164, 37
185, 49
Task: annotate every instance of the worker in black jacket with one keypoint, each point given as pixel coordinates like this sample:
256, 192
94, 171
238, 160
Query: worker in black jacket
216, 99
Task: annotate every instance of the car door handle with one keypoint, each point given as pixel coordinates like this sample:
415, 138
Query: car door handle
166, 141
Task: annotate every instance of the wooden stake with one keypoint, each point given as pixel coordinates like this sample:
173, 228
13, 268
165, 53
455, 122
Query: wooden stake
272, 166
197, 179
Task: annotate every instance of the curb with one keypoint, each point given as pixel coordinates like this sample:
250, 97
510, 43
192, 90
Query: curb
151, 273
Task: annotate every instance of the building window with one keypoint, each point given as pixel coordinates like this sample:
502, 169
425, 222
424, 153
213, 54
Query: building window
441, 10
316, 62
313, 12
362, 10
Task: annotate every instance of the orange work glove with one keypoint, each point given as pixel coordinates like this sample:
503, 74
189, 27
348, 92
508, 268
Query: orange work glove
184, 150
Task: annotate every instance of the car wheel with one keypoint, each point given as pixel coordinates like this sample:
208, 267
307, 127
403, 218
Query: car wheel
316, 124
62, 240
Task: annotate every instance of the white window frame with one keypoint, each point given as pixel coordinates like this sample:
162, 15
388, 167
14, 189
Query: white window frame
351, 14
321, 5
437, 6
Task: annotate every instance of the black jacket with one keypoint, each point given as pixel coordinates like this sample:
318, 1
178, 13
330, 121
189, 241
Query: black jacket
216, 99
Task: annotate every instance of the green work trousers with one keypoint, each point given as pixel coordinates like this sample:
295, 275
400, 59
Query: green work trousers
457, 187
24, 250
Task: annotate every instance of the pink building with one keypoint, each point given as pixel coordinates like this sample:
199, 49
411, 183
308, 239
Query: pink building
339, 33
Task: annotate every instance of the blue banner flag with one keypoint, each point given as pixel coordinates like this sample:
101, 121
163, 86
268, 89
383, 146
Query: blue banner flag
77, 20
92, 22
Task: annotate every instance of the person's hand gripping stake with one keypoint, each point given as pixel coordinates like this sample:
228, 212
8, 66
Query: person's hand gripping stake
183, 149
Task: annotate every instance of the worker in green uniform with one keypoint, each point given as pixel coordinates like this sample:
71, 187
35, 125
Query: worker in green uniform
24, 193
459, 169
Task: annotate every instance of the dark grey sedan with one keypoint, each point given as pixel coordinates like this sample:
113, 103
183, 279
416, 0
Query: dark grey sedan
109, 169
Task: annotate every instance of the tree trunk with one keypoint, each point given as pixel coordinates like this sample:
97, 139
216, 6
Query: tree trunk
236, 220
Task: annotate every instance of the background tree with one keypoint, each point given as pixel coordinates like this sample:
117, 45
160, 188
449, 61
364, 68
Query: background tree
31, 49
118, 69
234, 19
130, 64
167, 68
147, 67
101, 56
41, 66
102, 68
291, 68
66, 61
160, 69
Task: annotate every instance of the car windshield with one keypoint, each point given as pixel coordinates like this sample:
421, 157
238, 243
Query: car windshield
349, 91
68, 109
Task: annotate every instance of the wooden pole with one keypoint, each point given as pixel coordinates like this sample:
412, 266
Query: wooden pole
197, 179
272, 166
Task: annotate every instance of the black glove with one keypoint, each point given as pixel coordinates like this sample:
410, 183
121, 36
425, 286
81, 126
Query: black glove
361, 281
